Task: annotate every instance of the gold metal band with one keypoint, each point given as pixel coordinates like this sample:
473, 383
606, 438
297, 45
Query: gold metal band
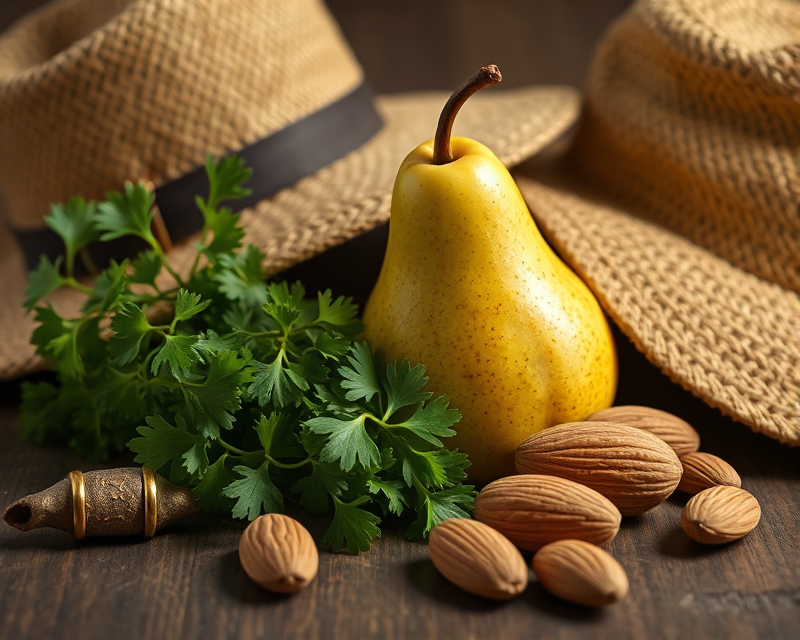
150, 502
78, 504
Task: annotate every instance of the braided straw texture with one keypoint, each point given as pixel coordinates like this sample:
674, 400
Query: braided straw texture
93, 93
692, 119
722, 333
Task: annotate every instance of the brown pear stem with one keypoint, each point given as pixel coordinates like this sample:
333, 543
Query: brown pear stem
488, 75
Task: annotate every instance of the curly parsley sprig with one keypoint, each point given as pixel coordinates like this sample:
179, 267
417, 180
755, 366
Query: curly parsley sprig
243, 389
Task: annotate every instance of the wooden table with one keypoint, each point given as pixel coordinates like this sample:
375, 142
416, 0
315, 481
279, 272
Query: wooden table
187, 581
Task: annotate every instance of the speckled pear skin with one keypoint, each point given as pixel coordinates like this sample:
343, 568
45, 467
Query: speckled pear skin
469, 288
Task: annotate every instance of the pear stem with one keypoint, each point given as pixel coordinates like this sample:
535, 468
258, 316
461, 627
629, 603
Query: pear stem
485, 76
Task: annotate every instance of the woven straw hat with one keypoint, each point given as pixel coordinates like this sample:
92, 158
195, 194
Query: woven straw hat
683, 207
96, 92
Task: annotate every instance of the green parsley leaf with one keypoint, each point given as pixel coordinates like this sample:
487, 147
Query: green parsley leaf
393, 490
75, 223
160, 442
255, 493
188, 305
432, 420
178, 351
276, 383
146, 268
214, 399
404, 386
209, 489
226, 230
337, 313
126, 214
456, 502
130, 326
108, 288
352, 528
226, 178
316, 489
241, 277
43, 280
361, 378
348, 442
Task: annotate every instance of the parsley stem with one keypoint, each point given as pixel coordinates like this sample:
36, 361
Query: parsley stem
203, 236
72, 282
163, 256
236, 450
284, 465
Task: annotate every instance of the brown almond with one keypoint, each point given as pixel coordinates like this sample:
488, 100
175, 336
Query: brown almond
631, 467
677, 433
278, 553
580, 572
533, 510
704, 470
478, 559
720, 514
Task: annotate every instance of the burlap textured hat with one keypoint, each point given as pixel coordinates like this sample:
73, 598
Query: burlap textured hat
683, 207
97, 92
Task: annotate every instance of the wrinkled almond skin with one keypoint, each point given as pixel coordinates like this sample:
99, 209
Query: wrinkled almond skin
720, 514
703, 470
478, 559
533, 510
677, 433
278, 553
631, 467
580, 572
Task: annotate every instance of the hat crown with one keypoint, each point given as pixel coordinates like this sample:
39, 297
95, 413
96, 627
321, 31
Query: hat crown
93, 93
692, 119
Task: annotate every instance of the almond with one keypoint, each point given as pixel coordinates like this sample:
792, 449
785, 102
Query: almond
580, 572
278, 553
677, 433
478, 559
704, 470
533, 510
720, 514
631, 467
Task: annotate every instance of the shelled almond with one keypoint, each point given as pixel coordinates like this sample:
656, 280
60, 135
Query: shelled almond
704, 470
278, 553
533, 510
720, 514
677, 433
478, 559
580, 572
634, 469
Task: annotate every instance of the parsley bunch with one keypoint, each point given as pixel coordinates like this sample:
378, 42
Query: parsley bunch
243, 389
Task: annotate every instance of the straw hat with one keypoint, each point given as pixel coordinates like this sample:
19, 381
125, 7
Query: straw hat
683, 211
96, 92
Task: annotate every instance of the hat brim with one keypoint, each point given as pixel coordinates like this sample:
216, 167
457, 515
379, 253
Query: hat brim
727, 336
347, 198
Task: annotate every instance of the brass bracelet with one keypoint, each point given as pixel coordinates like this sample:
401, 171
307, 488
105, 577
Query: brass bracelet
78, 504
150, 502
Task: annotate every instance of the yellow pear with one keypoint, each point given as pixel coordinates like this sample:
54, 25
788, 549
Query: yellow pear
469, 288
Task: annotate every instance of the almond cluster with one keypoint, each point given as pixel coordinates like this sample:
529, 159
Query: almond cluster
575, 483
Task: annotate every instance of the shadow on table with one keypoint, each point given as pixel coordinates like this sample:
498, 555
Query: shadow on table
427, 579
239, 586
424, 576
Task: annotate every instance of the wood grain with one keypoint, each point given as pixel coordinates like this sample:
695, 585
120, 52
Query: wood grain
187, 580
